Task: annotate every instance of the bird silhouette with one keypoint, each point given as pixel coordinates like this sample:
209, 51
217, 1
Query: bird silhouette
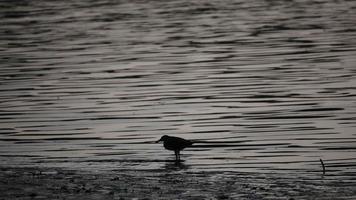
175, 144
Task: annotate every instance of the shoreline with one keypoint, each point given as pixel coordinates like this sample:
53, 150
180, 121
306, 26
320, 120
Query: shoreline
57, 183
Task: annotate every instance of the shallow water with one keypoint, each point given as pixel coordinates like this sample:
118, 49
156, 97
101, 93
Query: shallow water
268, 85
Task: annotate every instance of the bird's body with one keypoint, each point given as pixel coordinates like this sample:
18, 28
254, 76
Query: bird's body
175, 144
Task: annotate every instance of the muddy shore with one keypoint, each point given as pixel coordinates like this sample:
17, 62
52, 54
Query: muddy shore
57, 183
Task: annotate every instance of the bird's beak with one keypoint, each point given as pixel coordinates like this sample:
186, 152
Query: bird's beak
158, 141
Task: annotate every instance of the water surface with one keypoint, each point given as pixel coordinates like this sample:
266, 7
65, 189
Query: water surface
268, 85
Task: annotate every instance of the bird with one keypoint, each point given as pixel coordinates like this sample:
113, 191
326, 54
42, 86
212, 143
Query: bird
175, 144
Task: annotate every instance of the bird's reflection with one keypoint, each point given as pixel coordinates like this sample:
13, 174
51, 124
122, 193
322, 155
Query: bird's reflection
175, 166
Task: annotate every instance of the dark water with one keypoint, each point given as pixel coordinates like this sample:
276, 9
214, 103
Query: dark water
91, 84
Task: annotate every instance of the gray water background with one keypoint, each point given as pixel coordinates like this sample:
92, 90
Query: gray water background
270, 85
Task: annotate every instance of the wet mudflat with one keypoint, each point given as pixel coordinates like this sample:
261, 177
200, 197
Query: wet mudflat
267, 87
54, 183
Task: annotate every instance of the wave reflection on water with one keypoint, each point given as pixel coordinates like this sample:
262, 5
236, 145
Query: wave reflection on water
270, 85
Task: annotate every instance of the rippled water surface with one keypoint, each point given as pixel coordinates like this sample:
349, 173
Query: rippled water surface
267, 85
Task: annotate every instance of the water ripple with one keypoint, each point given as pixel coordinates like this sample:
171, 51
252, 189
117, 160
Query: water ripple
261, 85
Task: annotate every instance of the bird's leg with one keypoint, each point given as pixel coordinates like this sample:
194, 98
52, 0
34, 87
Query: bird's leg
177, 155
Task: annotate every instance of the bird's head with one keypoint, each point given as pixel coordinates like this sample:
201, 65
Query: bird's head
163, 138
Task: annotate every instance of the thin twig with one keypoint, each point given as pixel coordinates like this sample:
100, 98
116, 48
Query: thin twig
322, 164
